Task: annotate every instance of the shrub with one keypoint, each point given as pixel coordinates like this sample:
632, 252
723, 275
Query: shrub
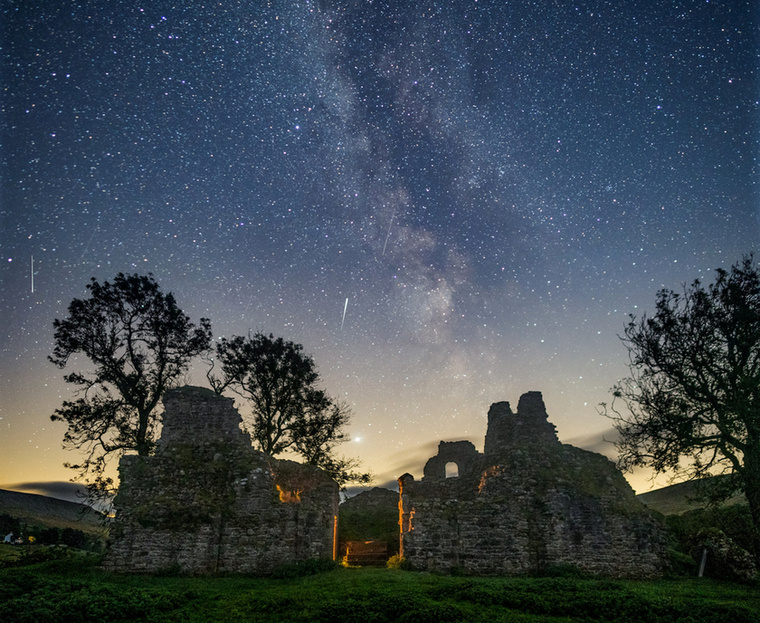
735, 521
34, 555
681, 564
398, 562
74, 538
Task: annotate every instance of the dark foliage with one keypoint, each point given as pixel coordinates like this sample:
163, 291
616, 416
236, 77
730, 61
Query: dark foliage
289, 411
140, 344
73, 589
690, 532
9, 524
590, 600
734, 521
693, 398
28, 597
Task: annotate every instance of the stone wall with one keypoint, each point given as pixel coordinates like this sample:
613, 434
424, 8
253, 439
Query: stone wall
528, 503
208, 502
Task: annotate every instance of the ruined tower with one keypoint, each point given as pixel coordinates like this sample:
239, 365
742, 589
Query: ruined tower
206, 501
526, 504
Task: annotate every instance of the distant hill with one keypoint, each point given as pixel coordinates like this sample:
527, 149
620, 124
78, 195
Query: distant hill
679, 498
49, 512
372, 499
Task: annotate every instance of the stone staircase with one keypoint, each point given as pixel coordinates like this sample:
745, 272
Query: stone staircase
366, 553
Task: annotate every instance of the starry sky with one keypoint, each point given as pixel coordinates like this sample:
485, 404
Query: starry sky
487, 188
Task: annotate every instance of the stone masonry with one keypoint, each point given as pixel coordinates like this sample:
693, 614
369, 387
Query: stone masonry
527, 504
207, 502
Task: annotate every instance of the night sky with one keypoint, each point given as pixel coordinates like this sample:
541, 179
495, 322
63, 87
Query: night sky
492, 186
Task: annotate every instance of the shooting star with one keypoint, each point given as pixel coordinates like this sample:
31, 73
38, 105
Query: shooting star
345, 307
32, 273
388, 235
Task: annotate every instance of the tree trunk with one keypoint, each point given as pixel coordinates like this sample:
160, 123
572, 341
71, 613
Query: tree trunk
142, 445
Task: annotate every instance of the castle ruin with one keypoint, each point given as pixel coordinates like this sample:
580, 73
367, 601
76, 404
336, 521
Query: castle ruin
527, 504
208, 502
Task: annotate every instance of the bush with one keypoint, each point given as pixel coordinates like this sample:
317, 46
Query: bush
31, 555
681, 564
689, 531
398, 562
734, 521
74, 538
50, 536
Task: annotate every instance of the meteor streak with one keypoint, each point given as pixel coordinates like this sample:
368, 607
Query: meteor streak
345, 307
388, 235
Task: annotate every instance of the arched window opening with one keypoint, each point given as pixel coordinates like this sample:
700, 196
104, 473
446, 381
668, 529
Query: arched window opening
452, 470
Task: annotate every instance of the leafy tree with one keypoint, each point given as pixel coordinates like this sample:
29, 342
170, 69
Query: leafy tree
693, 397
318, 431
140, 344
289, 411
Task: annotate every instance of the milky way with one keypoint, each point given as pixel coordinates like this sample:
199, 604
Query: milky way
447, 203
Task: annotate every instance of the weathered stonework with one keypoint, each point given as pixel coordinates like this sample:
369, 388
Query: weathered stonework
207, 502
526, 504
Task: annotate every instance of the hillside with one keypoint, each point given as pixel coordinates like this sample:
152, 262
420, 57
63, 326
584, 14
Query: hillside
49, 512
679, 498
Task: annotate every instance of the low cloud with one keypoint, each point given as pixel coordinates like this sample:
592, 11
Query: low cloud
602, 442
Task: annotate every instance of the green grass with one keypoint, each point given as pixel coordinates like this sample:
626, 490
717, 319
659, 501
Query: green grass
73, 589
9, 554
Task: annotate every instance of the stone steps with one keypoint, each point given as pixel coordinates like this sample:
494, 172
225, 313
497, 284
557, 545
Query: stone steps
366, 553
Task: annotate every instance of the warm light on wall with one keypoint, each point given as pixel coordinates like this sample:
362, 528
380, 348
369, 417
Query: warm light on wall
292, 496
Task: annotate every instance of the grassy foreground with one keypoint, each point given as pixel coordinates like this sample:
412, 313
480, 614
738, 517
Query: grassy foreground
74, 589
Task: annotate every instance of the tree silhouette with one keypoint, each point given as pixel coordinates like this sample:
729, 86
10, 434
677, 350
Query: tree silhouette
289, 411
693, 397
140, 344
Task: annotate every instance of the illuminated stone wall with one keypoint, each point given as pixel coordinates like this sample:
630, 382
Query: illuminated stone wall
207, 502
526, 505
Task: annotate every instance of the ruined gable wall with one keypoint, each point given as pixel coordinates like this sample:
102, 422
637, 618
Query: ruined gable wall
463, 453
534, 503
208, 502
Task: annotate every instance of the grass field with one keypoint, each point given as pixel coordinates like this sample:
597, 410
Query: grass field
72, 588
